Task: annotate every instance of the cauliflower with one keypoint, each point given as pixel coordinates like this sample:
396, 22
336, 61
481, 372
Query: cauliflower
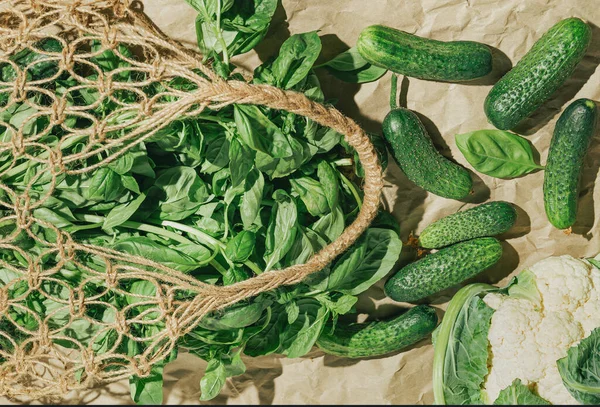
527, 338
533, 342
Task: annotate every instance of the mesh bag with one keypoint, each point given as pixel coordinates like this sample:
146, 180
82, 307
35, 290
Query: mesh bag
39, 355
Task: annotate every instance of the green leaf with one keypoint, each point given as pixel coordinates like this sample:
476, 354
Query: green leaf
295, 60
298, 338
365, 263
154, 251
518, 394
465, 365
52, 217
236, 316
213, 380
331, 225
258, 132
312, 194
268, 339
241, 161
329, 181
497, 153
580, 369
348, 60
524, 286
281, 231
178, 192
122, 213
216, 153
105, 185
239, 249
293, 311
148, 390
252, 198
307, 243
368, 73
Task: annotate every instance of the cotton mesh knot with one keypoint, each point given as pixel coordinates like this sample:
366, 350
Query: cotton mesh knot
77, 303
24, 220
89, 363
141, 367
109, 39
3, 300
120, 324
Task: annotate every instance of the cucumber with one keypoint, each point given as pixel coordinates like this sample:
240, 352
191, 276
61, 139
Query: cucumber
418, 57
489, 219
573, 133
550, 61
415, 154
380, 337
443, 269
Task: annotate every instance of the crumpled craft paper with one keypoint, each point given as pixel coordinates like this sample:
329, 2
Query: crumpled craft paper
511, 27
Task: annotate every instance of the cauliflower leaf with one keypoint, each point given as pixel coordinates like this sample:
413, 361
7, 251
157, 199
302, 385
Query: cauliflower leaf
467, 354
519, 394
580, 369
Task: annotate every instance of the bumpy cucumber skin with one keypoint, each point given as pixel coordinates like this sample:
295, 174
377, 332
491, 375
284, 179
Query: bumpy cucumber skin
572, 136
550, 61
381, 337
418, 158
423, 58
443, 269
488, 219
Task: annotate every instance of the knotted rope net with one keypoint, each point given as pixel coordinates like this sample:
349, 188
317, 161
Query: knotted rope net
39, 355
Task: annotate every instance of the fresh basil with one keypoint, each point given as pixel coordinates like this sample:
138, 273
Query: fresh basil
497, 153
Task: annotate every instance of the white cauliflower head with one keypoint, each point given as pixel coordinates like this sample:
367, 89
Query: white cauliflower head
528, 336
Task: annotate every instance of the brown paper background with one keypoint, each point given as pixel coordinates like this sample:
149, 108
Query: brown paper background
511, 26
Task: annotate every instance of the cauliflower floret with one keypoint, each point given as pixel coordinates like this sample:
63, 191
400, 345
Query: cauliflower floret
548, 337
526, 340
589, 315
563, 282
515, 353
551, 387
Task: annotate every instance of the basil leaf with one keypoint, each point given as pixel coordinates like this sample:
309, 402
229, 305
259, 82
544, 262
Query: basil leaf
349, 60
365, 74
518, 394
252, 198
298, 337
281, 231
240, 247
154, 251
178, 192
260, 133
312, 194
497, 153
295, 60
329, 181
121, 213
365, 263
241, 161
213, 380
268, 340
105, 185
147, 390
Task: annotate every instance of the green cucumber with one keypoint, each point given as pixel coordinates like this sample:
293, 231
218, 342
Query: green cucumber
443, 269
550, 61
489, 219
573, 133
380, 337
418, 158
418, 57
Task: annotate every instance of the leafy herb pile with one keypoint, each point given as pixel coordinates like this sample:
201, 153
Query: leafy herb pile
222, 197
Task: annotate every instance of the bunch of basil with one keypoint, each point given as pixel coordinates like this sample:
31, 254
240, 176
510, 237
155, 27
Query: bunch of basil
222, 196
